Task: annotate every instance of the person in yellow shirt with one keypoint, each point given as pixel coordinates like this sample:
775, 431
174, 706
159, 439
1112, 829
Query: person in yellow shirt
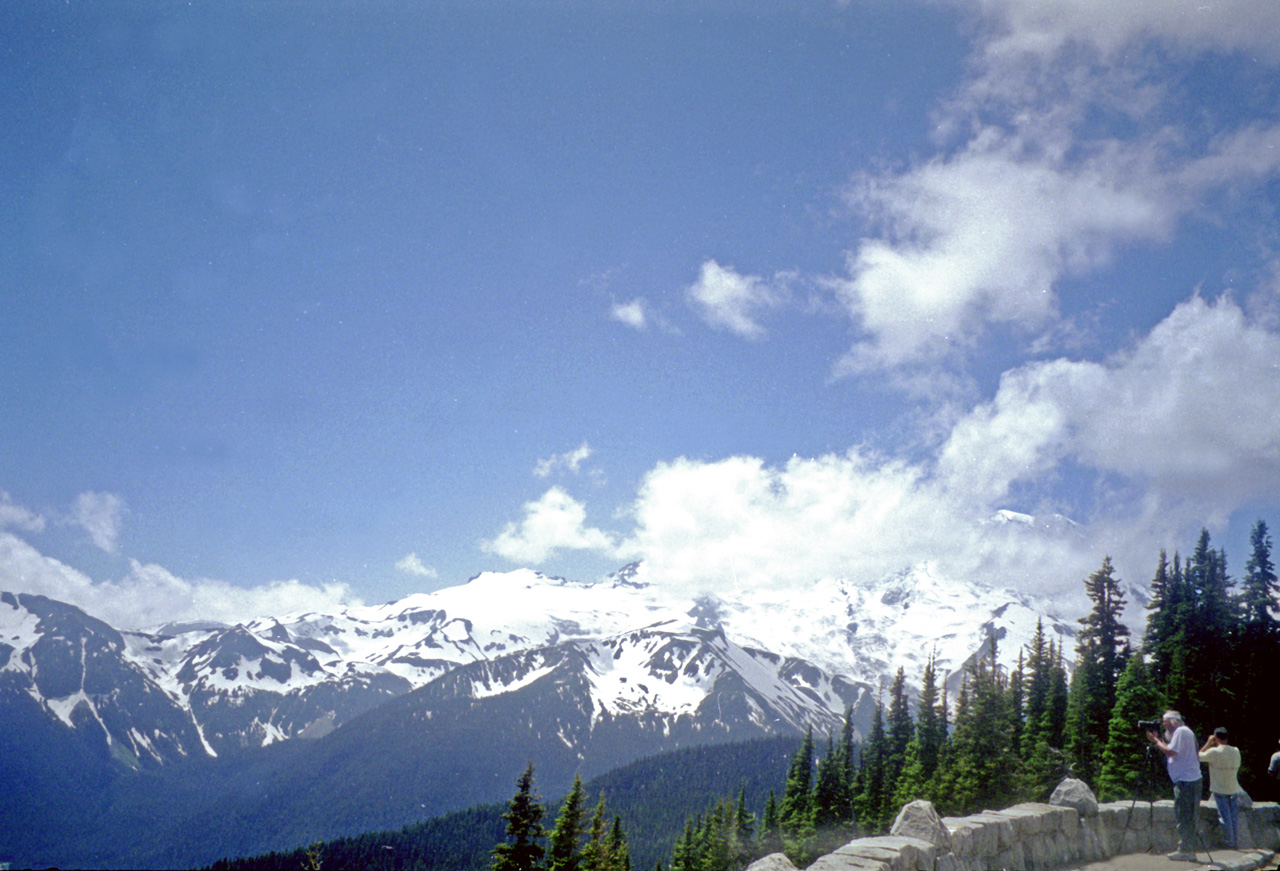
1223, 761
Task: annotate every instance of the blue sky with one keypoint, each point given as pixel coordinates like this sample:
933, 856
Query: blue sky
311, 303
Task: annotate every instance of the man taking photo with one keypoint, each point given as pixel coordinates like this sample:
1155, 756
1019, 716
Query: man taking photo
1184, 770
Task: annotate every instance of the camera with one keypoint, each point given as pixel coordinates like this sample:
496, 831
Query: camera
1150, 726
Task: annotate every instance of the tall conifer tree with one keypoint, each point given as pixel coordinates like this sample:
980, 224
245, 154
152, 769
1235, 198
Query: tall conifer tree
1259, 588
869, 798
1258, 650
1126, 760
617, 855
899, 731
770, 836
524, 852
796, 812
1098, 664
565, 846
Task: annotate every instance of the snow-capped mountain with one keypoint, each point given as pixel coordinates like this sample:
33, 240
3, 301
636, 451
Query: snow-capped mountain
59, 662
434, 702
645, 653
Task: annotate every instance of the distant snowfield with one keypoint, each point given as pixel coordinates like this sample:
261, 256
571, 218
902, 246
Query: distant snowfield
863, 632
644, 649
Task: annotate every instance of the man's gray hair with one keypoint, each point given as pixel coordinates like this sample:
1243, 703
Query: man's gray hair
1175, 716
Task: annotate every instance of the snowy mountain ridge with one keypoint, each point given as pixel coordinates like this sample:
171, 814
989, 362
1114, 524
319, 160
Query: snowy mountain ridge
641, 650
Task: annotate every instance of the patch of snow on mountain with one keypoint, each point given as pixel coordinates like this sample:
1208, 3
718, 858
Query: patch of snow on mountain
484, 691
640, 672
20, 629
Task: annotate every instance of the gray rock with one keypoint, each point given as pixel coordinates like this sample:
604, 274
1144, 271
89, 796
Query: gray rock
1076, 794
1000, 825
843, 862
898, 852
918, 819
772, 862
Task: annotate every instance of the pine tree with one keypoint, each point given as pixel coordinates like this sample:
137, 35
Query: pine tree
593, 852
1127, 756
869, 795
743, 831
1260, 587
1160, 618
1098, 663
1259, 647
1168, 624
829, 789
1055, 713
980, 763
924, 751
847, 754
524, 826
899, 731
1211, 629
684, 856
770, 828
1016, 713
1037, 677
931, 720
566, 851
796, 812
959, 755
832, 797
714, 836
617, 855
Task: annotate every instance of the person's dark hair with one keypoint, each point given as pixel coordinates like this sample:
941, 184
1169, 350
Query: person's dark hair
1221, 734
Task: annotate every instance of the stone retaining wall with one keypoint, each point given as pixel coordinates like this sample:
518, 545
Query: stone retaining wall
1032, 837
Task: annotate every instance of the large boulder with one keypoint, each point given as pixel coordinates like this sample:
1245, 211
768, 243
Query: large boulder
1076, 794
918, 819
772, 862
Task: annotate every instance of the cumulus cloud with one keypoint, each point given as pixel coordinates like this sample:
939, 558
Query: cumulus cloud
101, 515
739, 522
410, 564
555, 522
14, 515
1170, 417
1048, 26
1172, 409
727, 300
150, 595
982, 233
981, 238
633, 313
569, 461
1165, 426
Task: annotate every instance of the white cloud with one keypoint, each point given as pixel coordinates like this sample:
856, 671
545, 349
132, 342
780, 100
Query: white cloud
1169, 426
150, 595
983, 233
1187, 417
729, 301
553, 523
14, 515
101, 515
1047, 26
633, 313
569, 461
738, 523
410, 564
981, 238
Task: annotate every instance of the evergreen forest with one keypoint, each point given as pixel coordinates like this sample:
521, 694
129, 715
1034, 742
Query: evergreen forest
1009, 735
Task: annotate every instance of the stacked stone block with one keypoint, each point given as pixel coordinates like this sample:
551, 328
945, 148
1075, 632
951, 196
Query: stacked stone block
1073, 828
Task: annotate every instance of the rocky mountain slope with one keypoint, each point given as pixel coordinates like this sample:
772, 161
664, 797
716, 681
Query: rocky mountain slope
645, 654
289, 728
